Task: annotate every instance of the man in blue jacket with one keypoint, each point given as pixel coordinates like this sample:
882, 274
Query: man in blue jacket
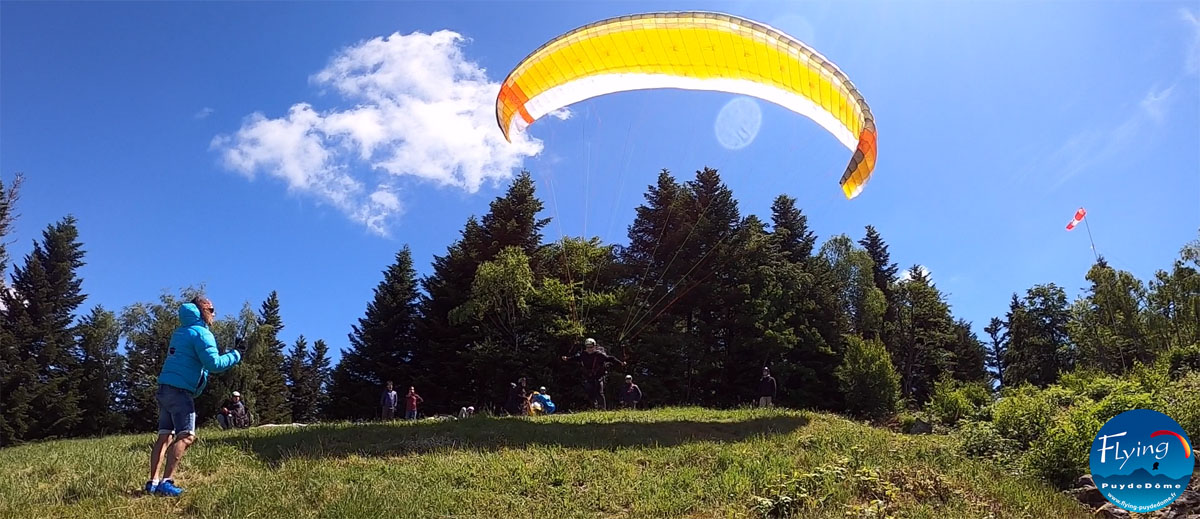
191, 355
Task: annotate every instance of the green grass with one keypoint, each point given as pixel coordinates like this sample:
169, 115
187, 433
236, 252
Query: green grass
670, 463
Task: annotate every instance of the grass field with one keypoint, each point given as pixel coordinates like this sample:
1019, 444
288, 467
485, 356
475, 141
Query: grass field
669, 463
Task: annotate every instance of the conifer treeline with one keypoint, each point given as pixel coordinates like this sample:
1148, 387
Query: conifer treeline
697, 302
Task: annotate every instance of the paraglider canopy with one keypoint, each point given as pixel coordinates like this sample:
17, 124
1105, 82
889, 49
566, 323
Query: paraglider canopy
693, 51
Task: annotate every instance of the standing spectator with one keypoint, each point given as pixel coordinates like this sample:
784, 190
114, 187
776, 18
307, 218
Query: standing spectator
388, 400
410, 403
518, 398
631, 394
766, 388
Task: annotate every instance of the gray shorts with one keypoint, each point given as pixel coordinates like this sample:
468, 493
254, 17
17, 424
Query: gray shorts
176, 411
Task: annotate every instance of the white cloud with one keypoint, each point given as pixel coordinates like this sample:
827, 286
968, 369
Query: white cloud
203, 113
561, 114
1193, 49
1099, 144
1155, 103
421, 109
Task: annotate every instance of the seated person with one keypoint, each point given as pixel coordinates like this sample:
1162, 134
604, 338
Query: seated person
541, 403
234, 413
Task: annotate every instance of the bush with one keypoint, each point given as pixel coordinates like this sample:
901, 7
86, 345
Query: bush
1181, 401
1024, 415
868, 379
1118, 403
1181, 361
907, 420
953, 400
981, 439
1060, 455
1096, 385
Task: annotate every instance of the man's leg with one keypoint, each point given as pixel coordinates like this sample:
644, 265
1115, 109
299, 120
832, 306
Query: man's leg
183, 413
593, 393
176, 452
156, 456
166, 432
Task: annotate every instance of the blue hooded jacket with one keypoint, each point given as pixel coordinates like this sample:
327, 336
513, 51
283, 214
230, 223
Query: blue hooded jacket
192, 354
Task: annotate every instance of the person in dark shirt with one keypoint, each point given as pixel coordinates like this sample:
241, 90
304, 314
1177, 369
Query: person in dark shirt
766, 388
631, 394
595, 368
518, 398
234, 413
388, 401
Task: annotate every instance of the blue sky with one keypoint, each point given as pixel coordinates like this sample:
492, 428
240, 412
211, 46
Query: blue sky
252, 147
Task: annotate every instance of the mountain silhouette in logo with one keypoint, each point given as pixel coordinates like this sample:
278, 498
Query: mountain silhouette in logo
1140, 477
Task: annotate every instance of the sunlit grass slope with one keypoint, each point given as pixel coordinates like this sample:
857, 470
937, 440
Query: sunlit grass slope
670, 463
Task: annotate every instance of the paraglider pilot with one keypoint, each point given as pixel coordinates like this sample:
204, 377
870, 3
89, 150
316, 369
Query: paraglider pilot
595, 368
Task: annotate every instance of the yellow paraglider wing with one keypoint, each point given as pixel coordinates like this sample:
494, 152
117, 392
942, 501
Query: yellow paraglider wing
694, 51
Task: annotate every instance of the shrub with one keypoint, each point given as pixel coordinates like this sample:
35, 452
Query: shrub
1024, 415
868, 379
1118, 403
1181, 361
981, 439
1181, 401
953, 400
1061, 454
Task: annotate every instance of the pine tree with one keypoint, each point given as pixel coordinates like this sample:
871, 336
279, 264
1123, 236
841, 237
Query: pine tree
921, 344
301, 401
790, 230
997, 347
648, 267
512, 219
382, 343
268, 394
446, 351
17, 370
811, 309
101, 369
39, 318
1038, 342
318, 380
885, 277
969, 354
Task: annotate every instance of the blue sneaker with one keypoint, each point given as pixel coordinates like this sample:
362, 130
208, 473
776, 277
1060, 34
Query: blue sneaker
167, 488
151, 487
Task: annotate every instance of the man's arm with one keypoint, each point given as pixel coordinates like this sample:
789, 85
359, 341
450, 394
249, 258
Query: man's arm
210, 356
610, 358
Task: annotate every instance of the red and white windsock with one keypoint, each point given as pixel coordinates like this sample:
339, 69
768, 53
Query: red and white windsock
1078, 218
